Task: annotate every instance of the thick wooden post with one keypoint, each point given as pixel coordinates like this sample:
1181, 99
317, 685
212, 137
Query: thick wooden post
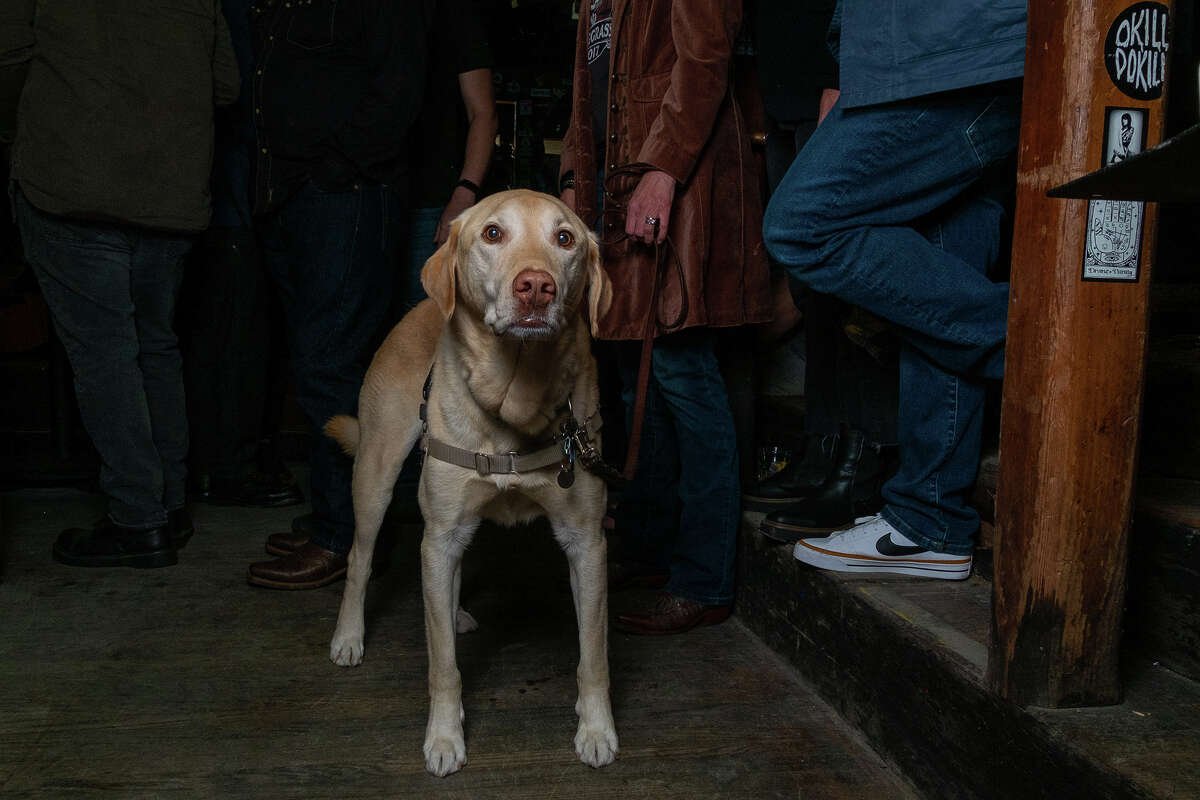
1076, 353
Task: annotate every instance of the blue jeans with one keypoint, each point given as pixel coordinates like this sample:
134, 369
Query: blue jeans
111, 290
682, 509
892, 208
332, 256
420, 228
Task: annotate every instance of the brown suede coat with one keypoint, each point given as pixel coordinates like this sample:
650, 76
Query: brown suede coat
670, 109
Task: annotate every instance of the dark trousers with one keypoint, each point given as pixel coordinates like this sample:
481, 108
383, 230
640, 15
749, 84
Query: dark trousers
332, 256
111, 290
227, 332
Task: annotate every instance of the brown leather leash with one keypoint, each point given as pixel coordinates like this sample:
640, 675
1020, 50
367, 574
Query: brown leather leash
652, 323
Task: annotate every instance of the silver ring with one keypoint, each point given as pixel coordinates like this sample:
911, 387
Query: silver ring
651, 221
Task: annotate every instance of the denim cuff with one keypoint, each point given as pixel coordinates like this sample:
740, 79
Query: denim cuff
893, 517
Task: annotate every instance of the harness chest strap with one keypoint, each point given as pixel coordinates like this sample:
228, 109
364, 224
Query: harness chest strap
510, 463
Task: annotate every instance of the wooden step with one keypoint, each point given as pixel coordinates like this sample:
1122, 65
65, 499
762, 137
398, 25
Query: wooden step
904, 661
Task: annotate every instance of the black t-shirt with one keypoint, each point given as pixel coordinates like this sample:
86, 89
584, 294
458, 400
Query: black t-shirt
457, 44
599, 49
793, 59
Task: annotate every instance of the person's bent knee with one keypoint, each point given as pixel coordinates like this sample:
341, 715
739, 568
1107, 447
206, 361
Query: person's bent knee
791, 237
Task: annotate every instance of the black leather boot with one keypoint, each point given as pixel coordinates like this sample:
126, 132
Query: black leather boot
852, 489
800, 479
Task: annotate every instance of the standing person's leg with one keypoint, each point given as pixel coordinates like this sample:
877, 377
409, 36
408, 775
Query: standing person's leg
700, 588
84, 270
927, 498
333, 256
224, 311
420, 229
157, 272
851, 229
647, 515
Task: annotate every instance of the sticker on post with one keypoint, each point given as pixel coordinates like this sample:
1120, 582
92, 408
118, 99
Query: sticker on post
1113, 246
1135, 50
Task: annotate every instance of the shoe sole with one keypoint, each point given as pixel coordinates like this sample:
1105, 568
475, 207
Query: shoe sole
783, 532
768, 504
254, 580
955, 569
149, 560
712, 617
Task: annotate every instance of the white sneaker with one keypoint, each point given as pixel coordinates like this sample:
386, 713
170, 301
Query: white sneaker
873, 545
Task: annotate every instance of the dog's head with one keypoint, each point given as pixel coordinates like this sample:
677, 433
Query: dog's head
523, 263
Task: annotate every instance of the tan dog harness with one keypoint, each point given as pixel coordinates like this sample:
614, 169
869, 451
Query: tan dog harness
573, 440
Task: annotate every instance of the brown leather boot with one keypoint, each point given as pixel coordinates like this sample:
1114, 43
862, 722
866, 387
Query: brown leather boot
671, 614
287, 542
308, 567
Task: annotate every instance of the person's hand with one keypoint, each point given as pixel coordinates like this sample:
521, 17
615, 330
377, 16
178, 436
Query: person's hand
651, 199
828, 98
462, 199
568, 198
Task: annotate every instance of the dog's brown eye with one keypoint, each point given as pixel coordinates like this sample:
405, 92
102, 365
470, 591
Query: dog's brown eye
565, 239
492, 233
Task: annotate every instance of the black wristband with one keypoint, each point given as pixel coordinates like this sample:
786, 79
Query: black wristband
474, 187
566, 181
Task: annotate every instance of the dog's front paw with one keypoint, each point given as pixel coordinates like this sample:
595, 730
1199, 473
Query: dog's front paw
445, 754
596, 746
346, 650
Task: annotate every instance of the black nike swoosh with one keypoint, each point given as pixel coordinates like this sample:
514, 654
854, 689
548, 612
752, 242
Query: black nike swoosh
887, 547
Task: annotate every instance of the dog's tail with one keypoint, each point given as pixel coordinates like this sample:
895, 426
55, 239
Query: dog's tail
343, 429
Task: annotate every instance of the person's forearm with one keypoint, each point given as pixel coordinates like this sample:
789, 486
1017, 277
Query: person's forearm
476, 89
481, 137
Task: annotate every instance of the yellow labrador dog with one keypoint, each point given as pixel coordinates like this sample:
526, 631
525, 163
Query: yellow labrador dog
511, 366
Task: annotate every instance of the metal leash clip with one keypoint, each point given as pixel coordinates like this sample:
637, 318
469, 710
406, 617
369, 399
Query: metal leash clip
566, 468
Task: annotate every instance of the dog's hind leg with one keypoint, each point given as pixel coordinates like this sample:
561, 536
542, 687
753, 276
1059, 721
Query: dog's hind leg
381, 453
441, 558
584, 545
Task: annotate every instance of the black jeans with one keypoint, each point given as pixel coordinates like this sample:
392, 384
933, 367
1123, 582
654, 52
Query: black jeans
111, 290
226, 325
332, 255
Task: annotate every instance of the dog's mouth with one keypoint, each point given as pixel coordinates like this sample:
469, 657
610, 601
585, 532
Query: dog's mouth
532, 326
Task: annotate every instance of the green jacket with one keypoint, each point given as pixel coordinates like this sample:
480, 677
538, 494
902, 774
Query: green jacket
115, 120
16, 48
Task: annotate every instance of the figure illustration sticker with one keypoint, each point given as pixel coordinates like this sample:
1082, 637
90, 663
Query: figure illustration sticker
1114, 227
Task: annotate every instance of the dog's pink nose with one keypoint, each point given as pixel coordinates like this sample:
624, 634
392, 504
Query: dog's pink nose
534, 287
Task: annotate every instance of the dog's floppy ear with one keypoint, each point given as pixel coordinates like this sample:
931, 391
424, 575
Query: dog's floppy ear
599, 287
438, 276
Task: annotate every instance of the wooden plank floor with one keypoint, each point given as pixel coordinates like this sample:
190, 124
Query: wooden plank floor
187, 682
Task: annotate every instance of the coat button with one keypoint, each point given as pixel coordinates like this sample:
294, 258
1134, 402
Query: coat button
613, 107
612, 167
612, 138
